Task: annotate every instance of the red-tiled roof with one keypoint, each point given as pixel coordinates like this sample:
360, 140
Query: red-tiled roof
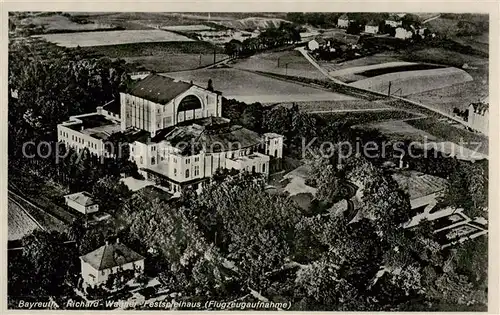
158, 89
111, 255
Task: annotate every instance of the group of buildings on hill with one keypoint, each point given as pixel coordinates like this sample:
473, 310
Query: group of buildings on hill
394, 20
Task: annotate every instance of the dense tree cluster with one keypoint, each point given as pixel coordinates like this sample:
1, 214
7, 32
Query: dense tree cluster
285, 34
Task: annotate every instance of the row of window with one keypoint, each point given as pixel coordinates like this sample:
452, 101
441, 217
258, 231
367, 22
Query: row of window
78, 140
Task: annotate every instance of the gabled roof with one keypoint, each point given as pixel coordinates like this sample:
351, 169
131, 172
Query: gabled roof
111, 255
82, 198
159, 89
372, 23
418, 184
344, 17
393, 17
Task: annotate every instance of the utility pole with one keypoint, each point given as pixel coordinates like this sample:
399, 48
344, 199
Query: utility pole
278, 62
389, 92
215, 52
286, 68
200, 60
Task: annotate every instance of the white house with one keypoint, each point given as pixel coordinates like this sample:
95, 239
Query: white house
312, 45
82, 202
371, 27
403, 33
478, 118
343, 21
109, 259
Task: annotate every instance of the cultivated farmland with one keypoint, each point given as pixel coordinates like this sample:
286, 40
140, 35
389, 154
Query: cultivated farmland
87, 39
411, 82
250, 87
286, 62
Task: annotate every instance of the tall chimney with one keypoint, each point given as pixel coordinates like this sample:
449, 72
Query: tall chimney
117, 240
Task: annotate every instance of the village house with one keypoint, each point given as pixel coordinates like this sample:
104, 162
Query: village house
343, 21
315, 43
82, 202
97, 266
478, 118
403, 33
371, 27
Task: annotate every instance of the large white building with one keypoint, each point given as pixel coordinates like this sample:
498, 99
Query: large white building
478, 118
176, 134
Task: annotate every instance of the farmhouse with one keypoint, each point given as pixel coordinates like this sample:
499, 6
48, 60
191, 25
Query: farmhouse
82, 202
371, 27
343, 21
109, 259
479, 116
403, 33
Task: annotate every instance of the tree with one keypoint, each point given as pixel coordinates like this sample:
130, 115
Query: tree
111, 193
46, 263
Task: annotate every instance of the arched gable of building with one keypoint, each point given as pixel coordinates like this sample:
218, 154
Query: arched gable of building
190, 102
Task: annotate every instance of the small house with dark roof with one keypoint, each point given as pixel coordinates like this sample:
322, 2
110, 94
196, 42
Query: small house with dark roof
108, 259
157, 102
82, 202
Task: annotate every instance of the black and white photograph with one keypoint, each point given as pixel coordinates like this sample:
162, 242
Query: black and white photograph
248, 161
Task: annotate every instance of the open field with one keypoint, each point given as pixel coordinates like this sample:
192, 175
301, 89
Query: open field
445, 132
316, 106
178, 62
187, 28
284, 62
86, 39
250, 87
411, 82
20, 223
362, 118
60, 23
399, 130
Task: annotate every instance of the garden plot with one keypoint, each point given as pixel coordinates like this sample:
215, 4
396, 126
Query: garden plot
411, 82
105, 38
62, 23
251, 87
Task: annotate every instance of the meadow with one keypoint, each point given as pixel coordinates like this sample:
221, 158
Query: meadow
105, 38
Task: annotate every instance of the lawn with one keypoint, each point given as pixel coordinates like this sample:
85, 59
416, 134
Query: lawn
290, 63
398, 130
250, 87
105, 38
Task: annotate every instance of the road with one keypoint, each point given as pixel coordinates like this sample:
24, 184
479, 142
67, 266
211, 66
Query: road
352, 110
316, 65
432, 18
